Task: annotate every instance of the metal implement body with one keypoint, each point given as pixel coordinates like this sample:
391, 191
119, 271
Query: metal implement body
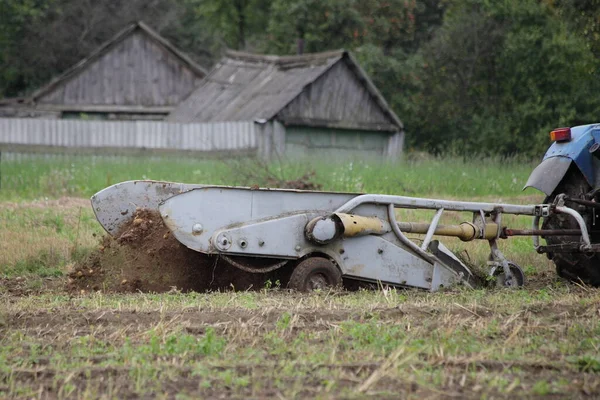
271, 224
358, 232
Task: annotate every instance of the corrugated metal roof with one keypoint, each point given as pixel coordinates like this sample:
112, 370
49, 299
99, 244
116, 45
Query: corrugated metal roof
245, 87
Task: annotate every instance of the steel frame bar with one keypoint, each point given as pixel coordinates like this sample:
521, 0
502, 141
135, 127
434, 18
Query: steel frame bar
440, 205
434, 223
432, 204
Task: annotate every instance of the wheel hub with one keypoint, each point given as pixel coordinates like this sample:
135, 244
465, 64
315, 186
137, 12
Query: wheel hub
317, 281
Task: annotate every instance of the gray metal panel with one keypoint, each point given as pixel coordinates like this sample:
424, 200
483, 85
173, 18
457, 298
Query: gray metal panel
376, 259
217, 208
36, 134
546, 176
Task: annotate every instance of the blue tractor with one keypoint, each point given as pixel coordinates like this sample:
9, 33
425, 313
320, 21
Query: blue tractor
569, 175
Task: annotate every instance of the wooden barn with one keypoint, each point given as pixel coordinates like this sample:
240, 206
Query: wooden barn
135, 75
313, 104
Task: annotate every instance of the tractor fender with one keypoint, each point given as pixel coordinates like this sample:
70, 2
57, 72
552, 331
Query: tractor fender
559, 157
546, 176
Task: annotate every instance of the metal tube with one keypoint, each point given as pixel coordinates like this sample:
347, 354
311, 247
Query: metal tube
406, 241
357, 225
541, 232
466, 231
432, 204
580, 221
536, 226
583, 202
434, 222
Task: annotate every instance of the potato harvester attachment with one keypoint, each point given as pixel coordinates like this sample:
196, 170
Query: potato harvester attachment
322, 237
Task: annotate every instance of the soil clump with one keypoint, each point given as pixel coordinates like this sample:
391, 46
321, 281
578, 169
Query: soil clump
145, 257
305, 182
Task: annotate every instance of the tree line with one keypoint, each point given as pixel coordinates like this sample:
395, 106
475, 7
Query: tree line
465, 76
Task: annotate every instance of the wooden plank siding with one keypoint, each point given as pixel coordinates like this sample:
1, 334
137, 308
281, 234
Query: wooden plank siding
136, 71
336, 99
335, 144
126, 137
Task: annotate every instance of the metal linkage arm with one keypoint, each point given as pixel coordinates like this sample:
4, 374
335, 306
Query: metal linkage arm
406, 241
431, 230
584, 232
433, 204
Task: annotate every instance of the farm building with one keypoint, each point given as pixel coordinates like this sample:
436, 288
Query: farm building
306, 104
135, 75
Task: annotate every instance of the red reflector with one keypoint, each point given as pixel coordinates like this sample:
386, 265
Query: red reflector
561, 135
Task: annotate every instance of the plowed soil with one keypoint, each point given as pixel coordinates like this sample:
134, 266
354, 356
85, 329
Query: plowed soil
145, 257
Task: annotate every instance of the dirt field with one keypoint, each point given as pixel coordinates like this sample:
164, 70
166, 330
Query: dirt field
90, 332
274, 344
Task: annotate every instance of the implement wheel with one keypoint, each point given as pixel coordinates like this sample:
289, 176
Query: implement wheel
315, 273
518, 278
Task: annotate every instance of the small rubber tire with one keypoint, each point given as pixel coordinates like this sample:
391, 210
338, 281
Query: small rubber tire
518, 276
315, 273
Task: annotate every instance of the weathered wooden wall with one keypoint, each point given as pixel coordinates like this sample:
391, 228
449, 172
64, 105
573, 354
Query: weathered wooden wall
124, 137
334, 144
337, 99
136, 71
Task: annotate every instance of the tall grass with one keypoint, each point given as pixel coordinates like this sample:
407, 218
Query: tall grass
34, 177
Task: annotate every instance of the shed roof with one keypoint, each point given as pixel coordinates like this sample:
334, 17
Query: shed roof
245, 86
108, 46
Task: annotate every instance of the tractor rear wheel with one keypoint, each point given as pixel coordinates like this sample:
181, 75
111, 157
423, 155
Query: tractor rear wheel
575, 266
315, 273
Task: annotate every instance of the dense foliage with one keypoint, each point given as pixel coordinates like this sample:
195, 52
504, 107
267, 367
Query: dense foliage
466, 76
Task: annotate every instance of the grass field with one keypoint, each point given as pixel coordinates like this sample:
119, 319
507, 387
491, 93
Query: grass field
35, 177
541, 341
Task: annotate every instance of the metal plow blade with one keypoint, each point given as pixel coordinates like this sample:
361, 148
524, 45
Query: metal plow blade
116, 204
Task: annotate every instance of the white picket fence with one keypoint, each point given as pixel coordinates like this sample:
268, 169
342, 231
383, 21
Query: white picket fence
125, 137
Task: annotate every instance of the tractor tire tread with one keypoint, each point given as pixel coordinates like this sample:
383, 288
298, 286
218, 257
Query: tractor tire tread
576, 267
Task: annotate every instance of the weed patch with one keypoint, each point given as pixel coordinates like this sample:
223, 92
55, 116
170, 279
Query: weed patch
45, 264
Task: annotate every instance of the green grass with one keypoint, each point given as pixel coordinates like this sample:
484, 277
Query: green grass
42, 238
35, 177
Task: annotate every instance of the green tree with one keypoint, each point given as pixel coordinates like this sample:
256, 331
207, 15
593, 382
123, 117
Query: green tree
235, 22
387, 24
498, 76
16, 17
312, 25
583, 16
